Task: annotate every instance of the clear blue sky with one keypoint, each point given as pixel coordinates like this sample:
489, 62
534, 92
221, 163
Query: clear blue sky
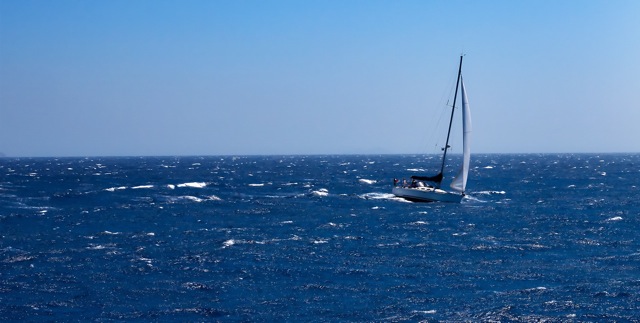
88, 78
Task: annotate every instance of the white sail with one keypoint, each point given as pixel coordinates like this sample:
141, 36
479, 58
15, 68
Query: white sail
459, 183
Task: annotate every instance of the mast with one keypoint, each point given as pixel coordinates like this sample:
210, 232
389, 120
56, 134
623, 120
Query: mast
455, 95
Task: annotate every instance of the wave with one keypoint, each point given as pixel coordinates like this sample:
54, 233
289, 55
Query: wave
228, 243
169, 186
425, 312
113, 189
141, 187
473, 198
193, 185
381, 196
321, 192
419, 223
490, 193
376, 196
191, 198
19, 258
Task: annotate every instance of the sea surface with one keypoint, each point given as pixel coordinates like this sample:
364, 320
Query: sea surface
539, 237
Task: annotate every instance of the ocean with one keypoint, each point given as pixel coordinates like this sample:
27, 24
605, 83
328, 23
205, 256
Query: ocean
539, 237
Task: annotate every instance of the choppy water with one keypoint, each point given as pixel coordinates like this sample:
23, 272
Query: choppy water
317, 238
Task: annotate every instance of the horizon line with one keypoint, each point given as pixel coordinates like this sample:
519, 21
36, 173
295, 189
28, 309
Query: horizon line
4, 156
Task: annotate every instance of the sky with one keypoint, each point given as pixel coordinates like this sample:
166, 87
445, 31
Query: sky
218, 77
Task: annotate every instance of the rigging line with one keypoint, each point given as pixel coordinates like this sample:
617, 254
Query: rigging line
446, 145
435, 138
432, 140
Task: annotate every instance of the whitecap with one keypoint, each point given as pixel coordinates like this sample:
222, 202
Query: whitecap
615, 218
19, 258
147, 260
491, 192
425, 312
193, 184
376, 196
190, 198
95, 246
113, 189
213, 198
488, 167
367, 181
228, 243
286, 222
321, 192
142, 186
320, 241
257, 185
171, 186
109, 232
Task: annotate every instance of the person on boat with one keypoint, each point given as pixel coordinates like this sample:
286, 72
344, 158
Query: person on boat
395, 182
404, 182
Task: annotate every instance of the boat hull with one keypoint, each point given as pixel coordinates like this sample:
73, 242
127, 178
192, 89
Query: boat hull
426, 194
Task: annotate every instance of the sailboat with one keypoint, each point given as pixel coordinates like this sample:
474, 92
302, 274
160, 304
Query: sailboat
428, 188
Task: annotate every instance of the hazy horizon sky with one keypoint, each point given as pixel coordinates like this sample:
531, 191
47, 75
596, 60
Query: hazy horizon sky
131, 78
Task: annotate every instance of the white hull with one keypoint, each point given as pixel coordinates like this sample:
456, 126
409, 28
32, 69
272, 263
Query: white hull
426, 194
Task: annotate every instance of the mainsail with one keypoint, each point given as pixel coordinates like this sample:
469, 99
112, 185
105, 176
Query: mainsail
459, 183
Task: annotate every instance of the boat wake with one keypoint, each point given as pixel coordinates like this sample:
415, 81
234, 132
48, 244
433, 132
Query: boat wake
381, 196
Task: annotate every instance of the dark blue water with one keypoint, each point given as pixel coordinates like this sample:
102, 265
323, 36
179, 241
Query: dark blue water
317, 238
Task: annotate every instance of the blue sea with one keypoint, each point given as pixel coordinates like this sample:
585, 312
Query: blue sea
539, 237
